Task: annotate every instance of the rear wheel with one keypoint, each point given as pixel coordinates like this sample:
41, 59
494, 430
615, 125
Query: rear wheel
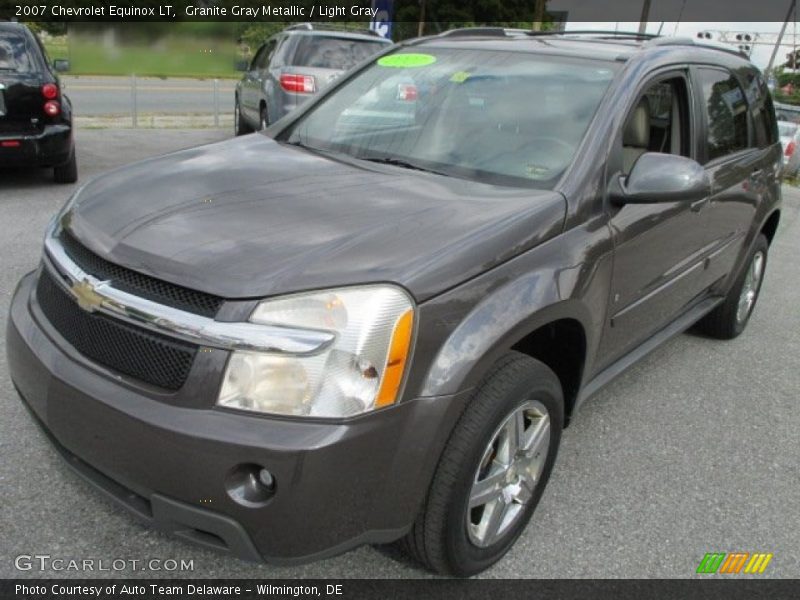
730, 318
240, 127
68, 172
493, 470
264, 117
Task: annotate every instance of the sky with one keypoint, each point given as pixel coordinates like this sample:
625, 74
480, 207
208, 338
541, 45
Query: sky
760, 55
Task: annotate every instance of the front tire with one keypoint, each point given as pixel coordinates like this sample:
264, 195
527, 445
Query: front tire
493, 470
729, 319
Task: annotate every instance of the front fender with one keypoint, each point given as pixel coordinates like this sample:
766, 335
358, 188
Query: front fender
497, 323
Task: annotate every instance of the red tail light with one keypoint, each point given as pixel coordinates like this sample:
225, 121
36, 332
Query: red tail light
297, 83
10, 144
789, 148
52, 108
50, 91
407, 92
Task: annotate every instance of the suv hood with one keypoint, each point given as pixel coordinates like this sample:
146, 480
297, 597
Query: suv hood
250, 218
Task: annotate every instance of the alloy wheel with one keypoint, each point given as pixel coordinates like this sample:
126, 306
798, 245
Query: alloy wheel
752, 283
508, 473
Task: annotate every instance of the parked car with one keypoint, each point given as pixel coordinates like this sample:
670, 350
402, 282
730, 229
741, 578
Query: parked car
294, 65
787, 112
339, 332
35, 115
790, 138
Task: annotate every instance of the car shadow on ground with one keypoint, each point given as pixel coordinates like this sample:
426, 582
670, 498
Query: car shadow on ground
28, 178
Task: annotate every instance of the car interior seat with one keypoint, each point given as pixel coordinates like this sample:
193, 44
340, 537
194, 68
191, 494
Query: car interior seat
636, 136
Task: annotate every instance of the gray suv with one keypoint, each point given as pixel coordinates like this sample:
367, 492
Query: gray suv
292, 66
372, 321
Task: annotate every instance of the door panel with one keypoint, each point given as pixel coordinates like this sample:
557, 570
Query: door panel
657, 271
659, 248
740, 120
737, 184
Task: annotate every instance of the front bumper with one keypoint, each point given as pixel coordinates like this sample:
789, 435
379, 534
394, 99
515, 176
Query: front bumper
52, 147
338, 484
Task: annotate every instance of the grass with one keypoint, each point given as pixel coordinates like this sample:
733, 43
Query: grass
171, 57
57, 47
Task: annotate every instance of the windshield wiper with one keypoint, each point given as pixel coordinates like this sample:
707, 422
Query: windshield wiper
398, 162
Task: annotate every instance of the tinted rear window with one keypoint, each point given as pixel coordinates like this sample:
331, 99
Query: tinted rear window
726, 110
333, 53
14, 53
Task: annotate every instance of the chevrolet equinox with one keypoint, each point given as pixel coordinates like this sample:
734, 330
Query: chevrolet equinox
372, 321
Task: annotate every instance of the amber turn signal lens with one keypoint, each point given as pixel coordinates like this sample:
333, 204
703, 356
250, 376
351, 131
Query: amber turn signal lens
396, 362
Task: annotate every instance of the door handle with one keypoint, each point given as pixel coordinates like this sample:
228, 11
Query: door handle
756, 173
698, 205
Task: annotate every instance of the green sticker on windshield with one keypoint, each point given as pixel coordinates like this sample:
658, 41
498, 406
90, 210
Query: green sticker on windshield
459, 77
403, 61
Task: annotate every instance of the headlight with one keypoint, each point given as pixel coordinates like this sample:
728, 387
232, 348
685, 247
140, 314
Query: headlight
360, 371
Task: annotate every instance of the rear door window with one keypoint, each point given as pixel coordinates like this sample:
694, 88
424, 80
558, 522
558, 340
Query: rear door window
333, 53
726, 113
15, 55
763, 111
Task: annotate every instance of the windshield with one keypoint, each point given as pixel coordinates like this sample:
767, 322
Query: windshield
14, 54
500, 117
333, 53
787, 129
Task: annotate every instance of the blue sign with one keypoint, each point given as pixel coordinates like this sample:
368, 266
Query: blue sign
382, 21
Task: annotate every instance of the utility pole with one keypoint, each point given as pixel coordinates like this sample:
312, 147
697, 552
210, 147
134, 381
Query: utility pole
421, 26
780, 37
538, 14
645, 15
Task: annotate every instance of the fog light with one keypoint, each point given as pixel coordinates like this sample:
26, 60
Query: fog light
250, 485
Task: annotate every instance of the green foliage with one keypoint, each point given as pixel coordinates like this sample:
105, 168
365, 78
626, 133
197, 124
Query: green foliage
785, 78
441, 15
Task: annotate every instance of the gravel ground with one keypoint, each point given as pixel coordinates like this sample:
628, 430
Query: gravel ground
693, 450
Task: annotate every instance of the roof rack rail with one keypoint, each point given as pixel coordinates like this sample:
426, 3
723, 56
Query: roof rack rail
686, 41
306, 26
506, 32
609, 33
477, 32
647, 39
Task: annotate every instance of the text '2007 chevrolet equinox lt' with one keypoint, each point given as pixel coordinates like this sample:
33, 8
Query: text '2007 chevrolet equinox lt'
373, 321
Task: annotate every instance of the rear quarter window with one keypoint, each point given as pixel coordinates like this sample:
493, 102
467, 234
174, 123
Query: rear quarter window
15, 53
726, 113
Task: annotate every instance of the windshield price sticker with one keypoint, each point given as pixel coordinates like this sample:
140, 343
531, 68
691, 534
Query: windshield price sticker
403, 61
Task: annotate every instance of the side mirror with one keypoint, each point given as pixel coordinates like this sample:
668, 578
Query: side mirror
241, 65
61, 65
657, 177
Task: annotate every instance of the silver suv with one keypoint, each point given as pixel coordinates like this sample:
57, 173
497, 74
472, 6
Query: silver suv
292, 66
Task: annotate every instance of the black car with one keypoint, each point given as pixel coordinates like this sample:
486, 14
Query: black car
292, 66
35, 115
373, 321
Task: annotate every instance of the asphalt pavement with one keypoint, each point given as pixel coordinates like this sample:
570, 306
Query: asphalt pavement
111, 96
696, 449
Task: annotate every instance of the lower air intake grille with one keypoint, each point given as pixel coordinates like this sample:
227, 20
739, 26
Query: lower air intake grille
130, 350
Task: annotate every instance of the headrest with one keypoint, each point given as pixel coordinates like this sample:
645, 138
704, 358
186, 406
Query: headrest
637, 130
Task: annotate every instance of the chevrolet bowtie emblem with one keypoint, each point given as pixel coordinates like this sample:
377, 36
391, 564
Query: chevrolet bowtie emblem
84, 292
